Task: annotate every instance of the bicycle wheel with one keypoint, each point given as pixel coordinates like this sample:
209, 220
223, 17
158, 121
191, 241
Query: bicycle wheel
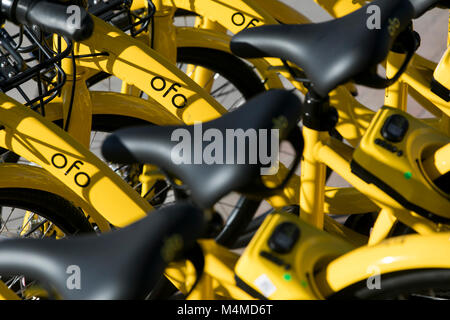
29, 213
424, 284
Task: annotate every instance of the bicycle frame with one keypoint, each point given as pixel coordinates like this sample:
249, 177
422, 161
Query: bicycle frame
219, 16
416, 80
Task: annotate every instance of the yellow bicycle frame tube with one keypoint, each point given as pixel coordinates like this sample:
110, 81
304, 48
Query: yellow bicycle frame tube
112, 103
137, 64
339, 8
235, 15
417, 78
217, 279
40, 141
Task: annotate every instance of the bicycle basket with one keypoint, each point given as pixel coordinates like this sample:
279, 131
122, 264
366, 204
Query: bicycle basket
30, 69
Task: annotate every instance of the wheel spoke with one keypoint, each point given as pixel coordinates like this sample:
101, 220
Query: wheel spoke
28, 221
35, 228
5, 222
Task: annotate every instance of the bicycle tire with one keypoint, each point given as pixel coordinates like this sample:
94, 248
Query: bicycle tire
54, 208
415, 283
235, 70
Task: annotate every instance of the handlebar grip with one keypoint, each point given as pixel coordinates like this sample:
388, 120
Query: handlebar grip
69, 21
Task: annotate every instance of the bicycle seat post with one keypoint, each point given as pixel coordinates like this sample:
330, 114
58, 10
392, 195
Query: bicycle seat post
318, 119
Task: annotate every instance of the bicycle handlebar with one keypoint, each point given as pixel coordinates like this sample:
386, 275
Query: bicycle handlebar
71, 21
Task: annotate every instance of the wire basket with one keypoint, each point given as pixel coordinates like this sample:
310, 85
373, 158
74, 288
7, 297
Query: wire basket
30, 69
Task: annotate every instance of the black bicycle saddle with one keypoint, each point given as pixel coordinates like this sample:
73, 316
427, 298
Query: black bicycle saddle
122, 264
333, 52
209, 182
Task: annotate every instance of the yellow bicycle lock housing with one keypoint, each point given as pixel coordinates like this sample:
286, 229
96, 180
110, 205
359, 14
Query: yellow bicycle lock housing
282, 258
391, 155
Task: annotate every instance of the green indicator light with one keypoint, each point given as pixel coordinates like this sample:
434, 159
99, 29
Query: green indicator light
407, 175
287, 277
304, 283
